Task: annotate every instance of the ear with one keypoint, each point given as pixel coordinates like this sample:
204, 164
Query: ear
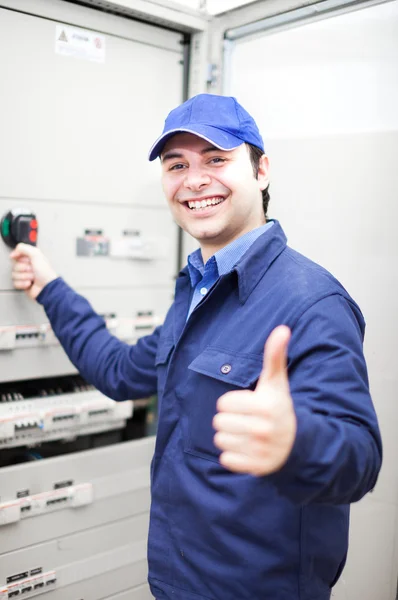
263, 172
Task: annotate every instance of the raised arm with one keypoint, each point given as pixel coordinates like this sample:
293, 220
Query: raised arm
310, 425
117, 369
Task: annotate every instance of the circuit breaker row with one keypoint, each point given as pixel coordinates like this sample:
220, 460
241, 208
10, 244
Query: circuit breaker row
48, 410
44, 420
39, 504
14, 337
29, 584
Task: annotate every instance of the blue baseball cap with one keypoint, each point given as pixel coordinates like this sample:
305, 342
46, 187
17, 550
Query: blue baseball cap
220, 120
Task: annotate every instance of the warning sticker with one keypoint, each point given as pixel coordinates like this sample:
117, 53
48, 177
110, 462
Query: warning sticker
79, 43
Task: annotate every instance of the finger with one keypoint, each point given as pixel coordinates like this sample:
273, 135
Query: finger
23, 285
244, 445
275, 357
255, 426
23, 259
231, 442
241, 463
22, 276
243, 402
22, 267
23, 250
236, 401
232, 422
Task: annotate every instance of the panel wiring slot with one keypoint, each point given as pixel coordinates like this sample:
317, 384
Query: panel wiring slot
97, 413
57, 501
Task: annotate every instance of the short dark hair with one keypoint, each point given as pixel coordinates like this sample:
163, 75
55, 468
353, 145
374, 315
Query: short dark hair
255, 155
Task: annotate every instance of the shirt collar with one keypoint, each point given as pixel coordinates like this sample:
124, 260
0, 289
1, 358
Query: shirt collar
196, 267
225, 259
229, 256
252, 266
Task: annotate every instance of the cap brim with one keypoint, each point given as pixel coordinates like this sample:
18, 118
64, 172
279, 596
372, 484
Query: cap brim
217, 137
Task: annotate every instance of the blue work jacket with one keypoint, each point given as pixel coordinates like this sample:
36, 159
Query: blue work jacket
217, 535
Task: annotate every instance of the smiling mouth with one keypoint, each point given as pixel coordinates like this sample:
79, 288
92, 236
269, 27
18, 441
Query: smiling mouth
198, 205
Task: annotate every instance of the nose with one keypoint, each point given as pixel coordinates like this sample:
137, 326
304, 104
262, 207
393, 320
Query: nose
196, 179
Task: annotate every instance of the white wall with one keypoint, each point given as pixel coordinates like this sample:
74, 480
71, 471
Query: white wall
333, 76
325, 96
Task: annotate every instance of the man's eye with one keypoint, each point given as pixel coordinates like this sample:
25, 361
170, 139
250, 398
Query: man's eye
217, 159
176, 167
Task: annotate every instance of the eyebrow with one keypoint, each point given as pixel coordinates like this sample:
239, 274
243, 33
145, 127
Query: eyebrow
173, 154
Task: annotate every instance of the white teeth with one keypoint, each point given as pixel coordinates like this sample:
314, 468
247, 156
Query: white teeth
198, 204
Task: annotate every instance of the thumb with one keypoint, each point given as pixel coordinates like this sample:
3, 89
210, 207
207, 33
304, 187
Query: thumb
275, 357
22, 250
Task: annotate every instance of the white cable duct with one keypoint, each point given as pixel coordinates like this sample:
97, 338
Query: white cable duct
162, 12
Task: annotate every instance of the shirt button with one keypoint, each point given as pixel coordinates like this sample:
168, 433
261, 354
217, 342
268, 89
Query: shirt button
203, 291
226, 369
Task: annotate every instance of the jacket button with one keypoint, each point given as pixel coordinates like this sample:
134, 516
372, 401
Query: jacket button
226, 369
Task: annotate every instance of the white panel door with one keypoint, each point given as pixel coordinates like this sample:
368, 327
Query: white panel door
325, 96
73, 129
76, 122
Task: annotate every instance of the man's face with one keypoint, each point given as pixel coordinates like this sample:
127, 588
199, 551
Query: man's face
212, 193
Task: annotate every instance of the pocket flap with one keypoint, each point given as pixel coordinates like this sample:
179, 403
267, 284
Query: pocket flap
230, 367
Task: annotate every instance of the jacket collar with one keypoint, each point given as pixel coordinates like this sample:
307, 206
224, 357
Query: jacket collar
253, 264
257, 260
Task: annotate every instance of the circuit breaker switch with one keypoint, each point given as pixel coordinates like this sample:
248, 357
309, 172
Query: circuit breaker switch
19, 225
10, 512
82, 494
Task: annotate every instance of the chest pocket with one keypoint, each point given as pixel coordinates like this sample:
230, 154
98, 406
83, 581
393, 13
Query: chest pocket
213, 373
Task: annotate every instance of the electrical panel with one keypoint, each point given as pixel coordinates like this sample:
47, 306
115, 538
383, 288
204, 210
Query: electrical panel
76, 182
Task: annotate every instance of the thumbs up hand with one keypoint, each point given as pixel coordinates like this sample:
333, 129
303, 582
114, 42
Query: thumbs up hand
256, 429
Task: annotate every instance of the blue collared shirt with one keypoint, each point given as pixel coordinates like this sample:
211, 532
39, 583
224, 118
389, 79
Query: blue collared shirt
203, 277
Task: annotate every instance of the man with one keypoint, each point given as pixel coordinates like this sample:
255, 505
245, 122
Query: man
255, 462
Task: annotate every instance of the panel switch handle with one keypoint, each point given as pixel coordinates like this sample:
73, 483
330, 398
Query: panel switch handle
19, 225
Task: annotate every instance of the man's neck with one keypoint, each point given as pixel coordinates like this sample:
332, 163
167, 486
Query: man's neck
208, 249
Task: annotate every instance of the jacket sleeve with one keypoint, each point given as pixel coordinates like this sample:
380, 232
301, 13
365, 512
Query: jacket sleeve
337, 452
117, 369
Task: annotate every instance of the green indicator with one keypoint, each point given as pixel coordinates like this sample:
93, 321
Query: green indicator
6, 227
